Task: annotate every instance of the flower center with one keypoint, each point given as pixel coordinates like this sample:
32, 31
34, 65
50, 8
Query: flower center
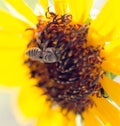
65, 66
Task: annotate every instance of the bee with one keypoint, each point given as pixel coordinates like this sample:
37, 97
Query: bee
48, 55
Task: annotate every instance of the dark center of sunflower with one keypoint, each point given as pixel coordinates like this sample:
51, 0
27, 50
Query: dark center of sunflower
73, 77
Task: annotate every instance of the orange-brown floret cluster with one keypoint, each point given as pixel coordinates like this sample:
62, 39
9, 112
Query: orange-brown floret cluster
71, 80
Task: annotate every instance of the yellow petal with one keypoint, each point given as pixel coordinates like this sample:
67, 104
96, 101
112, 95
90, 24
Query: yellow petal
33, 104
106, 111
106, 23
112, 66
12, 71
61, 6
12, 51
79, 9
87, 5
56, 118
13, 34
13, 41
112, 88
31, 101
111, 49
9, 40
112, 57
23, 9
91, 118
100, 117
10, 24
44, 4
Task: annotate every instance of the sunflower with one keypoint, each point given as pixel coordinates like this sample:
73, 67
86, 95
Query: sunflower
60, 60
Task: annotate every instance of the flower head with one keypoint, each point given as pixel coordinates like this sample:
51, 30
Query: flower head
68, 56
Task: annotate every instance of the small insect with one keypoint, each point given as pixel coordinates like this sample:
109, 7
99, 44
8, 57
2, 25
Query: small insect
103, 93
45, 56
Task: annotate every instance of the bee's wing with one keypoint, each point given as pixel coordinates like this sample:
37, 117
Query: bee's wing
34, 53
49, 56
